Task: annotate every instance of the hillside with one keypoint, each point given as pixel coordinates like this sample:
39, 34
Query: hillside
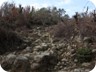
46, 40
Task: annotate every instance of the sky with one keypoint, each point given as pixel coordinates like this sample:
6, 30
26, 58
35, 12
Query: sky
70, 6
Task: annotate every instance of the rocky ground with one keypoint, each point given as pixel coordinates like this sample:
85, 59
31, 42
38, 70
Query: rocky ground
44, 53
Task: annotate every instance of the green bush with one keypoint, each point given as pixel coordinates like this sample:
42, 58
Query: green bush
84, 55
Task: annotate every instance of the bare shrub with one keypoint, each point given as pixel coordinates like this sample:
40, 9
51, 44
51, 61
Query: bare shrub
64, 30
87, 27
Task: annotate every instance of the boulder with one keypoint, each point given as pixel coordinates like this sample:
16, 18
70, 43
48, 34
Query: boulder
8, 62
47, 63
21, 64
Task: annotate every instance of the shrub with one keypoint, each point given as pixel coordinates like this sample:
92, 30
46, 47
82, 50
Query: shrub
8, 41
84, 55
64, 31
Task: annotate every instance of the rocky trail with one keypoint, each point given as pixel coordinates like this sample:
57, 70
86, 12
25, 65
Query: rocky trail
44, 53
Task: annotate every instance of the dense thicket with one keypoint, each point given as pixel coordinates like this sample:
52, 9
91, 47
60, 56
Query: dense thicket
12, 16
